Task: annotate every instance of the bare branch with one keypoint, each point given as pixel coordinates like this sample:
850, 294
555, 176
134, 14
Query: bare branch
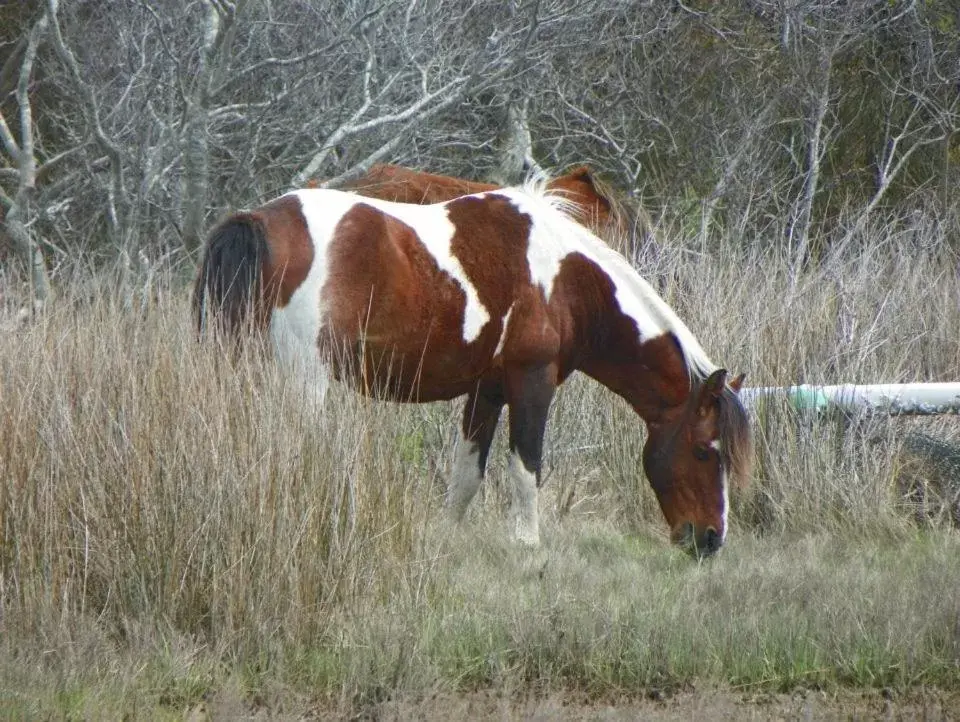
19, 214
91, 110
441, 98
9, 142
239, 76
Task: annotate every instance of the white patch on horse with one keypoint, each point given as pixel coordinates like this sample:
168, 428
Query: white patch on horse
464, 477
524, 513
544, 255
545, 246
295, 328
436, 234
437, 237
718, 447
503, 334
301, 360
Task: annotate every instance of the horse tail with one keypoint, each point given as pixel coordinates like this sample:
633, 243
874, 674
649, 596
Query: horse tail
229, 287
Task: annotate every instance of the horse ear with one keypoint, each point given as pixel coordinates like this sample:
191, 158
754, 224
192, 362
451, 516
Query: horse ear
582, 173
737, 383
711, 391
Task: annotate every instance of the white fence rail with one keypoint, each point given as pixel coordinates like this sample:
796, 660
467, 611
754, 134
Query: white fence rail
919, 399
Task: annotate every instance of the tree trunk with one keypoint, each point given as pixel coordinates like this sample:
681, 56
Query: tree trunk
516, 147
195, 153
800, 229
20, 214
17, 222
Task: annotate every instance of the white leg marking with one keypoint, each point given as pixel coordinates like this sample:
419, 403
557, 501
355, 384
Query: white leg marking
524, 514
464, 477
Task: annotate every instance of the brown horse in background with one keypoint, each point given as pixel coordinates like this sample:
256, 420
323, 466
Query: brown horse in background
622, 224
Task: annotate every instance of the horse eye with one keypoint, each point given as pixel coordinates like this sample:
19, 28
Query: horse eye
700, 452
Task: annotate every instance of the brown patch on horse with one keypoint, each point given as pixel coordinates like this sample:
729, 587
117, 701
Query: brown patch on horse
372, 283
492, 228
487, 229
395, 312
291, 250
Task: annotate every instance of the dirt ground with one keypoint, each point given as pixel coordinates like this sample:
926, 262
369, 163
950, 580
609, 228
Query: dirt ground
929, 705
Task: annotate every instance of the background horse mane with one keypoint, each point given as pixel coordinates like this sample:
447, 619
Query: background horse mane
626, 224
619, 220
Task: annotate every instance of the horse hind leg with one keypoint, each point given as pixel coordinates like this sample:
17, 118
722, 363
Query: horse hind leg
301, 360
529, 393
480, 419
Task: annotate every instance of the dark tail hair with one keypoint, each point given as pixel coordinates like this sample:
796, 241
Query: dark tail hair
230, 284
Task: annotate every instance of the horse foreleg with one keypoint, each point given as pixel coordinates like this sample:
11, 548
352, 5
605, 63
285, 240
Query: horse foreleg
529, 392
480, 419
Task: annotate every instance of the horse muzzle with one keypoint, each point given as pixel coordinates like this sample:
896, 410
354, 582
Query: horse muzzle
699, 543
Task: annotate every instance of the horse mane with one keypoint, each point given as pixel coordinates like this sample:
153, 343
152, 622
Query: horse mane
736, 446
627, 217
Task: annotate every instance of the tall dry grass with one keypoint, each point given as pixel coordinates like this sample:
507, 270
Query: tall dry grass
173, 526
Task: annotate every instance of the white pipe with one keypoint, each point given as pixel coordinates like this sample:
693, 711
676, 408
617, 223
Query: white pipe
938, 398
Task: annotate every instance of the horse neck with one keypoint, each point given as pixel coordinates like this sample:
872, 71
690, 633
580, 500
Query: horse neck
653, 380
650, 373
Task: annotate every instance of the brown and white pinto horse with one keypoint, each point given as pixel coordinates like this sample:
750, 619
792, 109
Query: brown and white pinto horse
594, 202
500, 297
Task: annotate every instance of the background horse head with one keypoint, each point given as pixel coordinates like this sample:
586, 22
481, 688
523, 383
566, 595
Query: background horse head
623, 223
498, 297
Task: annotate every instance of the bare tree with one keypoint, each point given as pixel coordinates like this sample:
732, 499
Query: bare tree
20, 213
915, 117
90, 105
147, 119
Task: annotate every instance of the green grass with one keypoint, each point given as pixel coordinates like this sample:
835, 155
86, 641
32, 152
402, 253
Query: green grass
592, 613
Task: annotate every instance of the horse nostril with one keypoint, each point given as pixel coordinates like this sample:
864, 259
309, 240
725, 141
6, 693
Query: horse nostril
712, 540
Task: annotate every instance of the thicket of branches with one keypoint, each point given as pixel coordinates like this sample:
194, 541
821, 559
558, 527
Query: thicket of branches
127, 127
